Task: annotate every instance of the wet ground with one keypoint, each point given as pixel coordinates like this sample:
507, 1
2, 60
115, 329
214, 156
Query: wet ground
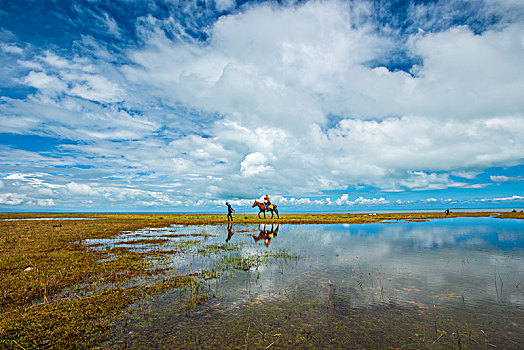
436, 284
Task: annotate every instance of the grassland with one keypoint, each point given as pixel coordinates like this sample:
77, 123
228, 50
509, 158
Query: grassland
56, 293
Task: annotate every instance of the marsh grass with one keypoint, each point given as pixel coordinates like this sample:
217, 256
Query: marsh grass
56, 292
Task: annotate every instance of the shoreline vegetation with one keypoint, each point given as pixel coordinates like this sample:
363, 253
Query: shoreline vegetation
218, 219
56, 292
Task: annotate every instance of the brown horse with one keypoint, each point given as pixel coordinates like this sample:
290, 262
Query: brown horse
262, 207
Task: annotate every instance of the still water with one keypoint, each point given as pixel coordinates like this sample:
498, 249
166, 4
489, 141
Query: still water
438, 284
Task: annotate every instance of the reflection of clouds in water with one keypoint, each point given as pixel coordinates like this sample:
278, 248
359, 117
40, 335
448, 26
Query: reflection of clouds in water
507, 236
248, 251
457, 256
417, 262
517, 299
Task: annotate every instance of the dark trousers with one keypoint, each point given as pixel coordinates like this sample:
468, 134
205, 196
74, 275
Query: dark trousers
229, 216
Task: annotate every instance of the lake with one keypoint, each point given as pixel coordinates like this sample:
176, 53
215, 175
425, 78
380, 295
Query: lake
442, 283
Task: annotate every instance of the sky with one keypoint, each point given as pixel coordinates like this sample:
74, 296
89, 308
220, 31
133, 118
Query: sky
180, 106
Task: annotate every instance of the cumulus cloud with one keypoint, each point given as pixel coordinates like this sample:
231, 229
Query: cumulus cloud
11, 198
253, 164
284, 81
80, 189
344, 200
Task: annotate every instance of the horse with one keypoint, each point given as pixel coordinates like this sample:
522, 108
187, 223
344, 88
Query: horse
262, 207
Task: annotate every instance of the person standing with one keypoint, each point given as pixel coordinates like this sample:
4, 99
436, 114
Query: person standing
230, 211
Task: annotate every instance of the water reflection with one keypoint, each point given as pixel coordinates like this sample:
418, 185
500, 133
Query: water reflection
441, 259
266, 234
387, 279
230, 232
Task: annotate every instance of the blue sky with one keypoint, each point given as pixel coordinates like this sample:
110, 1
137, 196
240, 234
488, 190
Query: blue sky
324, 105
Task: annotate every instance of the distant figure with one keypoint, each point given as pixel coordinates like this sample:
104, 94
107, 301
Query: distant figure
447, 211
267, 201
230, 232
230, 211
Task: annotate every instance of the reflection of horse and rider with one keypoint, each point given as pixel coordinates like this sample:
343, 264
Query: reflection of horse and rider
266, 235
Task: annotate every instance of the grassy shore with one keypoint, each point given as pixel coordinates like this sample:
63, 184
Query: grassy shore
56, 293
216, 219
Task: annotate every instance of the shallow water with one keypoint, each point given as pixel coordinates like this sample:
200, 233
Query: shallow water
453, 282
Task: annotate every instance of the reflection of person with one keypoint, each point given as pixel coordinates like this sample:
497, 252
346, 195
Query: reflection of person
230, 232
230, 211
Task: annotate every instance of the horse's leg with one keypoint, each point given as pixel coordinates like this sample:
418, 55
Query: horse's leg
276, 211
259, 214
272, 213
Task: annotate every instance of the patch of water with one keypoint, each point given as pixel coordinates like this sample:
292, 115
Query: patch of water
353, 286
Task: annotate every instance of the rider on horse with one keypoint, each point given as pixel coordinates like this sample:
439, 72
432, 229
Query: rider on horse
267, 201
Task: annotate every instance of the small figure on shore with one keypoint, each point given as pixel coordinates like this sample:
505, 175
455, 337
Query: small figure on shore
447, 211
230, 211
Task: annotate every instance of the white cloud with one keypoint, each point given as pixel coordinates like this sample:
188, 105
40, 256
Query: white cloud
293, 65
31, 178
95, 88
41, 80
465, 174
502, 178
112, 26
54, 60
282, 80
422, 180
49, 202
223, 5
75, 77
80, 189
11, 198
254, 164
11, 49
512, 198
344, 200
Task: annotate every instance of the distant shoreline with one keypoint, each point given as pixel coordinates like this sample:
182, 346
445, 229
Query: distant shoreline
240, 211
162, 219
